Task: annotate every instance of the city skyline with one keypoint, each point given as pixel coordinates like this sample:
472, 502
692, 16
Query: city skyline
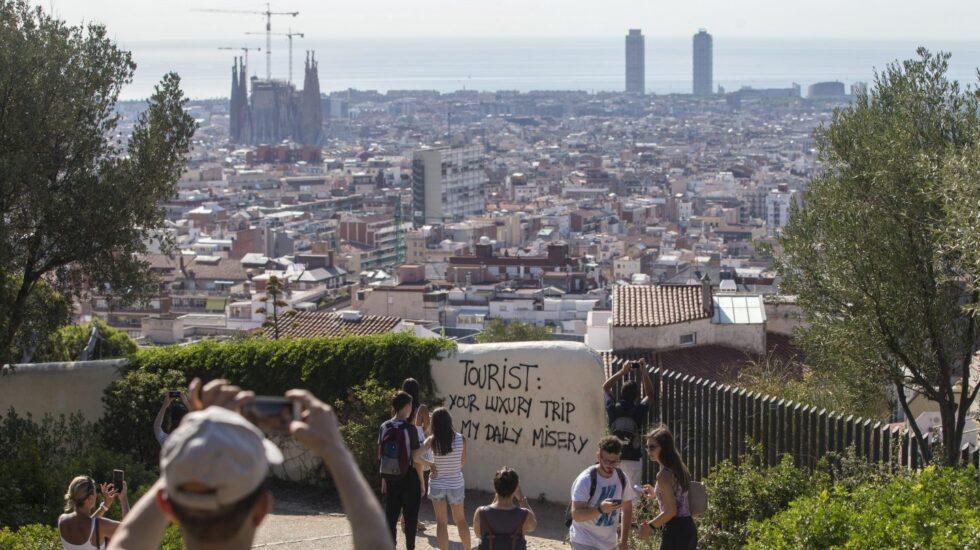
144, 20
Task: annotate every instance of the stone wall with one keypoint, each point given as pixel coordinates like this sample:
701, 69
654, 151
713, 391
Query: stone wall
58, 388
536, 407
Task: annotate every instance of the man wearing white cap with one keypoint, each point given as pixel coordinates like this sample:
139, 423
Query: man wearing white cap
213, 469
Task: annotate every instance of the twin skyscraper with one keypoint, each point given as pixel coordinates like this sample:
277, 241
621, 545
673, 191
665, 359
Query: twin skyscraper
636, 63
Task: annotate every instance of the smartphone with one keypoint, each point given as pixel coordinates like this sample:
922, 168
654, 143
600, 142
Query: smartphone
174, 394
616, 500
272, 414
117, 479
636, 364
638, 489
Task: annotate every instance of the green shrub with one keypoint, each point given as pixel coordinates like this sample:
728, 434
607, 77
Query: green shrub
39, 459
360, 416
932, 508
131, 403
328, 367
67, 343
30, 537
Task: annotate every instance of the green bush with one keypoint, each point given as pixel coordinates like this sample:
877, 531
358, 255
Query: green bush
360, 416
131, 403
39, 459
932, 508
328, 367
67, 343
30, 537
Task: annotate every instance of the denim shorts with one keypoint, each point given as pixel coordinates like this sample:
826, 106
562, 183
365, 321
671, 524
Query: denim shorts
454, 496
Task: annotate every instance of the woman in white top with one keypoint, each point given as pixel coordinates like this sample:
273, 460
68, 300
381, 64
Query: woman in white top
446, 480
82, 525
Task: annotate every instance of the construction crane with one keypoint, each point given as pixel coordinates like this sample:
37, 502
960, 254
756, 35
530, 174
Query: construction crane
244, 49
268, 13
290, 36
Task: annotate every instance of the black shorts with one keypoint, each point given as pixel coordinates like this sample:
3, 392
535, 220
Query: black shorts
680, 533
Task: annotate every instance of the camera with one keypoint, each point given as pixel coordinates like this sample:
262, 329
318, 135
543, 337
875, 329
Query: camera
272, 414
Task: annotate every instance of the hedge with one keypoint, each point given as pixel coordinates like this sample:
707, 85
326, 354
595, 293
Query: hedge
931, 508
328, 367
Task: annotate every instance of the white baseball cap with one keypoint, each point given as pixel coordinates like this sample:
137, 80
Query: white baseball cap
222, 451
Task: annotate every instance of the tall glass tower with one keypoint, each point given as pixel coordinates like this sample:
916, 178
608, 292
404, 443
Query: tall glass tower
635, 64
702, 63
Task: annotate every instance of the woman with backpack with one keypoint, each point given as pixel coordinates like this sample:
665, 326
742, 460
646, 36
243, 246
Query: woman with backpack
446, 477
503, 524
672, 492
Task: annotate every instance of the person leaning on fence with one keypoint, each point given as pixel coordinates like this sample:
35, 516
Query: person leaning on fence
600, 495
213, 471
82, 525
672, 492
504, 523
627, 415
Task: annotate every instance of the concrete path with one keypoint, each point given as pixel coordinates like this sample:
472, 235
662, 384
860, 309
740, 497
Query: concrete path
307, 519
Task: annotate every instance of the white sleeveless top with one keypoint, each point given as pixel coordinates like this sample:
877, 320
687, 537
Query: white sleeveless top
449, 468
88, 541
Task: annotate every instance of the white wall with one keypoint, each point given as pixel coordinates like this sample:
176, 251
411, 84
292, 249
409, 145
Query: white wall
533, 406
751, 338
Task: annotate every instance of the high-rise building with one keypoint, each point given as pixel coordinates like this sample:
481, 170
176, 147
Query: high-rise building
635, 64
447, 183
702, 63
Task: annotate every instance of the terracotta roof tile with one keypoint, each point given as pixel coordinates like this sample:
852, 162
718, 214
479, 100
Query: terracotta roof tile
308, 324
653, 306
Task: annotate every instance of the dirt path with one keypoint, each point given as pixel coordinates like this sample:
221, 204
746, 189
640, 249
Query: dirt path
307, 519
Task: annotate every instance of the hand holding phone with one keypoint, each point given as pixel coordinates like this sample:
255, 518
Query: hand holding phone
118, 476
272, 414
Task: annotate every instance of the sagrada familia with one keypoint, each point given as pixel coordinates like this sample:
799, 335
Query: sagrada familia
277, 111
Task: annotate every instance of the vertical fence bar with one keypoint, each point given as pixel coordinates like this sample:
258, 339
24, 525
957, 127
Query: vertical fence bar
725, 424
823, 436
780, 428
704, 431
743, 426
841, 434
798, 434
876, 443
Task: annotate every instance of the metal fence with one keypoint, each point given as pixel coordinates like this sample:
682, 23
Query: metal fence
712, 422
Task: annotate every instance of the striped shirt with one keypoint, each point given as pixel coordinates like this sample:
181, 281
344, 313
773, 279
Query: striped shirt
449, 468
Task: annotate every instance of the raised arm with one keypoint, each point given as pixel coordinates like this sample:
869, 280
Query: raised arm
531, 520
610, 383
158, 421
143, 527
318, 431
647, 382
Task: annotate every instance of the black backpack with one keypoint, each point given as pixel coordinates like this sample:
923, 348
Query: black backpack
490, 540
593, 479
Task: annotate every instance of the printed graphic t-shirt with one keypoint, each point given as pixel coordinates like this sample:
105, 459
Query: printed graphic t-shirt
599, 532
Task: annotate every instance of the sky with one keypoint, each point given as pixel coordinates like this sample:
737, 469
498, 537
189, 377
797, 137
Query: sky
174, 20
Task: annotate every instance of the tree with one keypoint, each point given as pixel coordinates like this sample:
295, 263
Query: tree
887, 301
75, 203
273, 290
498, 330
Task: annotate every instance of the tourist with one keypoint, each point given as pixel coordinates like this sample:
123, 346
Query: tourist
176, 414
82, 524
213, 471
508, 518
446, 481
627, 415
602, 500
671, 490
398, 450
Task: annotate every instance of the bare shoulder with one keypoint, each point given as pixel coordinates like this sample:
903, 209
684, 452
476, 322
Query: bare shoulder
666, 476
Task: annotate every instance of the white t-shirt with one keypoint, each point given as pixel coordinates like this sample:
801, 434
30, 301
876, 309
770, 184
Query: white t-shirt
601, 531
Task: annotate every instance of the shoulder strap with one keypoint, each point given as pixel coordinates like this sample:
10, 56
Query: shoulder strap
98, 539
486, 534
622, 479
519, 530
593, 479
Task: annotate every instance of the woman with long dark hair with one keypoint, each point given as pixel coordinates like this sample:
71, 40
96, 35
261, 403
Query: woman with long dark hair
446, 480
672, 489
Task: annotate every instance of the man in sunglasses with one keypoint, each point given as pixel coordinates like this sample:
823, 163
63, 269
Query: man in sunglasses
602, 500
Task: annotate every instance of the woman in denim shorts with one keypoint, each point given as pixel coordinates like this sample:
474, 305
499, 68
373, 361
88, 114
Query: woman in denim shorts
446, 477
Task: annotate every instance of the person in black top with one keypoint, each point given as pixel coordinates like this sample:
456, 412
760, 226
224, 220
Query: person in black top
403, 494
627, 415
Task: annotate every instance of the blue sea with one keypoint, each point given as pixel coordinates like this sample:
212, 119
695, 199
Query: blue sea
524, 64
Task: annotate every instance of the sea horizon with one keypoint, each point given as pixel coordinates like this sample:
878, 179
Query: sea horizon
592, 64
